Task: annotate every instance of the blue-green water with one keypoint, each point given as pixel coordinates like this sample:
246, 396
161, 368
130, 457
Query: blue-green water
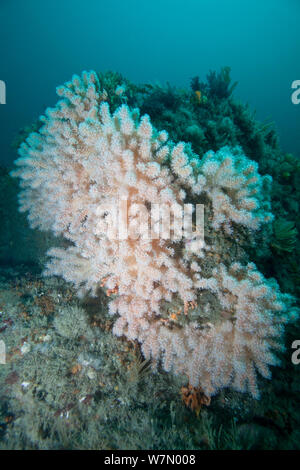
199, 70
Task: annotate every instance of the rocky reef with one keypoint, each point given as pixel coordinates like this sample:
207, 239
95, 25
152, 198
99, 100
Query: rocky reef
199, 311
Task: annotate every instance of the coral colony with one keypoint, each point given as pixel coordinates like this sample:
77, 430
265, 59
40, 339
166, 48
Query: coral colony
195, 309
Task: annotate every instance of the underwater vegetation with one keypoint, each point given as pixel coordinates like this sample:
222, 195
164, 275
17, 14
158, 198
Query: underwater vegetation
202, 314
217, 86
285, 236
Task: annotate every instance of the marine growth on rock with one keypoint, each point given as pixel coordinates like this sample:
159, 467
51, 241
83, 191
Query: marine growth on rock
196, 305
